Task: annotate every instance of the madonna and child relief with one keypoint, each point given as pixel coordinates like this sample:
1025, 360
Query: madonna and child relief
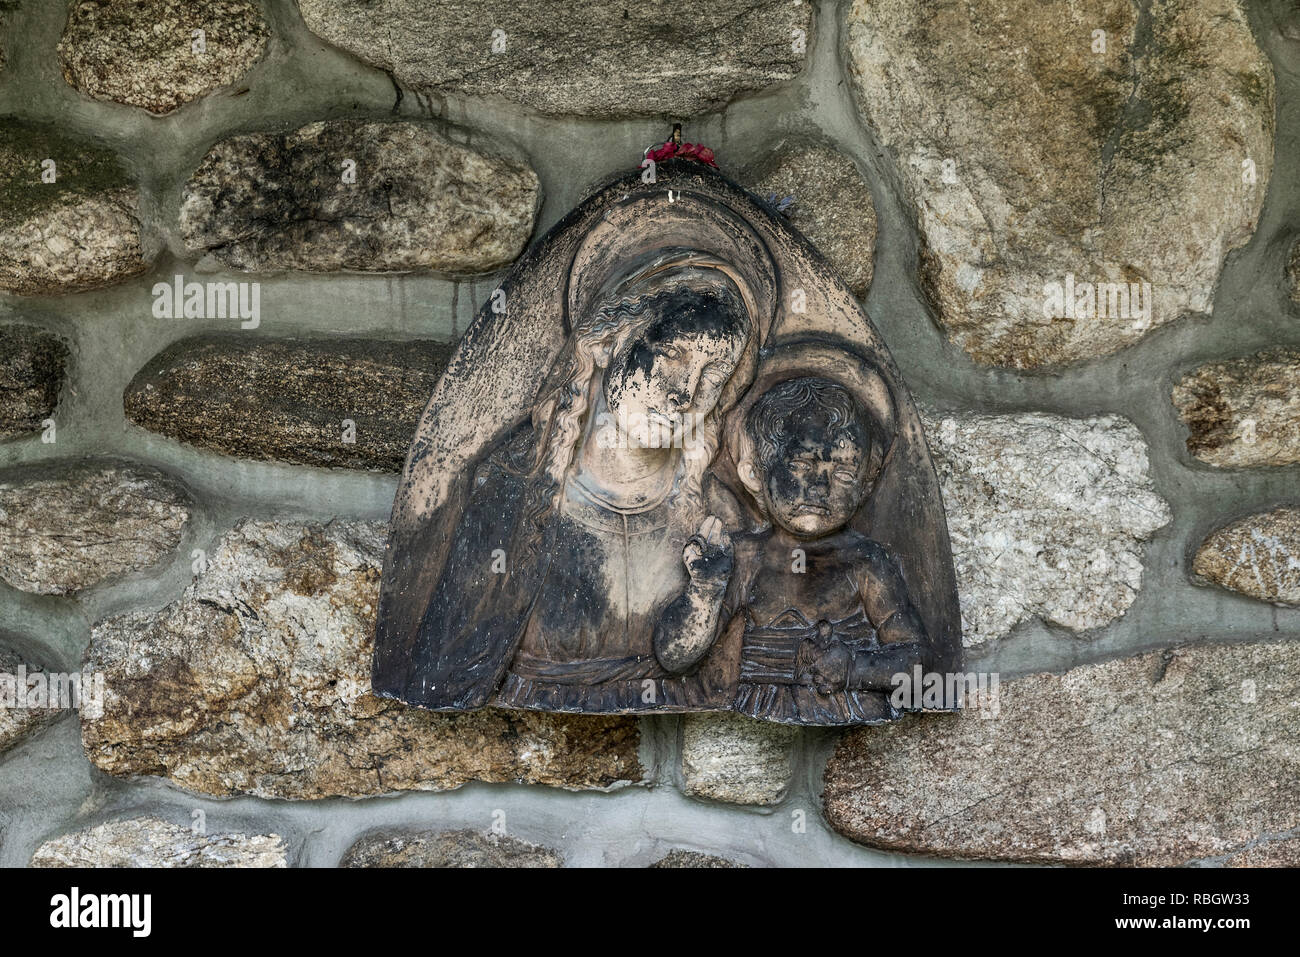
677, 472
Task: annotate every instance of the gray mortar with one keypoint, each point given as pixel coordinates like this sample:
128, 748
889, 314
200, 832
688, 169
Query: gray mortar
47, 787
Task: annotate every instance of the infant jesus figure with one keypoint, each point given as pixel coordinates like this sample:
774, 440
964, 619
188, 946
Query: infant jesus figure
817, 613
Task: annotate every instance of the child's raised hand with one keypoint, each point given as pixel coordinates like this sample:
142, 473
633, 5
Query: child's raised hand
707, 554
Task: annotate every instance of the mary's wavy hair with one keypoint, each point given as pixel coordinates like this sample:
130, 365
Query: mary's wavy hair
559, 417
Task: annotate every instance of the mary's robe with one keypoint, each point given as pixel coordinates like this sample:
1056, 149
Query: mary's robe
554, 608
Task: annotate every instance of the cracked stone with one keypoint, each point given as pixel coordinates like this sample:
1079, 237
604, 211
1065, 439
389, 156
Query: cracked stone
1154, 760
1258, 556
727, 757
281, 201
1048, 517
153, 842
1243, 413
257, 681
1037, 161
145, 53
832, 204
66, 527
447, 849
287, 400
79, 231
601, 58
33, 364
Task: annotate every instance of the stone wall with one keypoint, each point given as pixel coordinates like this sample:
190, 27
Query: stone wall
1075, 224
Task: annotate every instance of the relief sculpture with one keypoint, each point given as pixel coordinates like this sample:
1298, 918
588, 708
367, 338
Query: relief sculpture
671, 467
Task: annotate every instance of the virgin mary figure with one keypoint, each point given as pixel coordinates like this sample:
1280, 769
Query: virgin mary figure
565, 534
571, 540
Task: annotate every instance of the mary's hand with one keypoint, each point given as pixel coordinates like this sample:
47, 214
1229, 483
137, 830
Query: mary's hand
708, 555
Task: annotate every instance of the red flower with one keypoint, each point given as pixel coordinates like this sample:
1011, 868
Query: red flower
692, 151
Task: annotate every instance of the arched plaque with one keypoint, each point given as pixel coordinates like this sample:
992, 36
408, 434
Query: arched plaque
670, 467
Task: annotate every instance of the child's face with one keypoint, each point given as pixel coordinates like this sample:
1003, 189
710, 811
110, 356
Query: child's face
814, 483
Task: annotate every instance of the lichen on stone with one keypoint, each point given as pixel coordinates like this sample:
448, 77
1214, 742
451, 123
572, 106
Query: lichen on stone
82, 168
79, 231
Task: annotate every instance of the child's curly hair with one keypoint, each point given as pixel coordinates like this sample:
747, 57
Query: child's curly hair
768, 419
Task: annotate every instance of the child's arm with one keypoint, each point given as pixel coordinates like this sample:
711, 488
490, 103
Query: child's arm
887, 603
688, 626
838, 666
898, 626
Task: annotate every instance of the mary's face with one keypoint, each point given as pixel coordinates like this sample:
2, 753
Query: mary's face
661, 382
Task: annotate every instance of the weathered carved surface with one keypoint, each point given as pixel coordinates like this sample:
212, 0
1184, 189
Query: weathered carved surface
143, 52
600, 58
1258, 555
1154, 760
736, 759
447, 849
1048, 517
67, 526
287, 400
1243, 412
273, 201
32, 367
678, 471
80, 231
257, 681
832, 203
1031, 158
153, 842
